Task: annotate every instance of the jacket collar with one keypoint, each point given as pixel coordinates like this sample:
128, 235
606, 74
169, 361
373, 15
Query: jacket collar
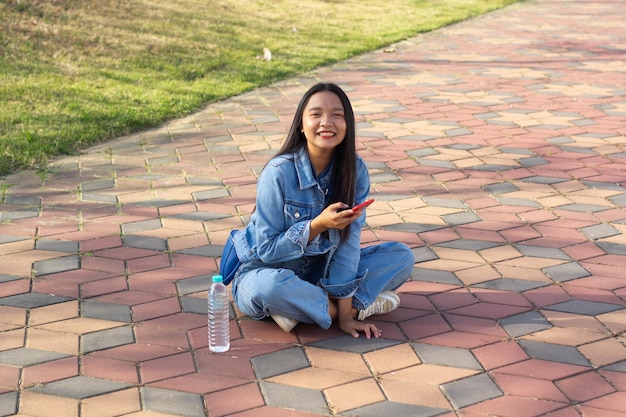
304, 170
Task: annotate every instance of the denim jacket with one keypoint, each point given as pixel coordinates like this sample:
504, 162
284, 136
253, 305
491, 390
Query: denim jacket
289, 196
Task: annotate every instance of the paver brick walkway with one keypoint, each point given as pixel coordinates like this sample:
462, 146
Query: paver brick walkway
497, 151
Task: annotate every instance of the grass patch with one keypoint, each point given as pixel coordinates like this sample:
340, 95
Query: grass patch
78, 72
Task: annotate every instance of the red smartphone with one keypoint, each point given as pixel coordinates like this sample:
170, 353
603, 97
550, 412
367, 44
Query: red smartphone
362, 205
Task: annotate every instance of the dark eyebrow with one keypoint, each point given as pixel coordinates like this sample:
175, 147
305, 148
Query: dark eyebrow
319, 108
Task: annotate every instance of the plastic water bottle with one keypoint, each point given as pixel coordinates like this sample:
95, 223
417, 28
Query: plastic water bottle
219, 334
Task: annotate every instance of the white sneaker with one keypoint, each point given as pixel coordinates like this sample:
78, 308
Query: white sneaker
285, 323
386, 302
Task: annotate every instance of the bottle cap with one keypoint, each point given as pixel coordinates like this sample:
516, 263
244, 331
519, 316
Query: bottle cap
217, 278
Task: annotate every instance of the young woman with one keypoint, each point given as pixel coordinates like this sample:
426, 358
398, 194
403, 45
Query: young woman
301, 255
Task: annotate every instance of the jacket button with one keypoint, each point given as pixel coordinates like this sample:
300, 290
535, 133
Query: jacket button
297, 215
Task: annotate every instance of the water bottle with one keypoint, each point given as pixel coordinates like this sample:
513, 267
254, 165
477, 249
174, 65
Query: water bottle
219, 334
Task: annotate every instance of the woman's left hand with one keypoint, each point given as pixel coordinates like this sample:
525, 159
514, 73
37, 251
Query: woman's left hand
354, 327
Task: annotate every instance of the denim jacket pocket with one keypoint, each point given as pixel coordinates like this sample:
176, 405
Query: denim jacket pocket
297, 212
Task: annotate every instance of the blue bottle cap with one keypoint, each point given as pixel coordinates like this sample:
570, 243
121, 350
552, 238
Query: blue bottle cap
217, 278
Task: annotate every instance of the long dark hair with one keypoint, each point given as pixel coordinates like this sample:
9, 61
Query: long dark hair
343, 176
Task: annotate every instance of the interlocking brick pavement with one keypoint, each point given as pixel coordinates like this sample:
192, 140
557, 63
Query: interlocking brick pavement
497, 151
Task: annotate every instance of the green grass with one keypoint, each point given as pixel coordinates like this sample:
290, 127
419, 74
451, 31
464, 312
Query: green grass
75, 73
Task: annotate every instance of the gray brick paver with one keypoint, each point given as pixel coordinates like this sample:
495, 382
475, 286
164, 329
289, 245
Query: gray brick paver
172, 402
471, 390
280, 362
80, 387
8, 403
27, 356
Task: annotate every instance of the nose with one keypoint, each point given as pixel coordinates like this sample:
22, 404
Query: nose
326, 121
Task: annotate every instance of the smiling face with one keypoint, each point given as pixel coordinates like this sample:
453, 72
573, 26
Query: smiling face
323, 123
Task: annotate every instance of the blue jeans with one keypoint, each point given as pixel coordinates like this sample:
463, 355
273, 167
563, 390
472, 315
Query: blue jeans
294, 293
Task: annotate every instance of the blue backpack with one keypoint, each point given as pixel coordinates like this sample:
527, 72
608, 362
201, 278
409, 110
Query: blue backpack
230, 263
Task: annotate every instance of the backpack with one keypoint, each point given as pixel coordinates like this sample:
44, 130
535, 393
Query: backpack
230, 263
